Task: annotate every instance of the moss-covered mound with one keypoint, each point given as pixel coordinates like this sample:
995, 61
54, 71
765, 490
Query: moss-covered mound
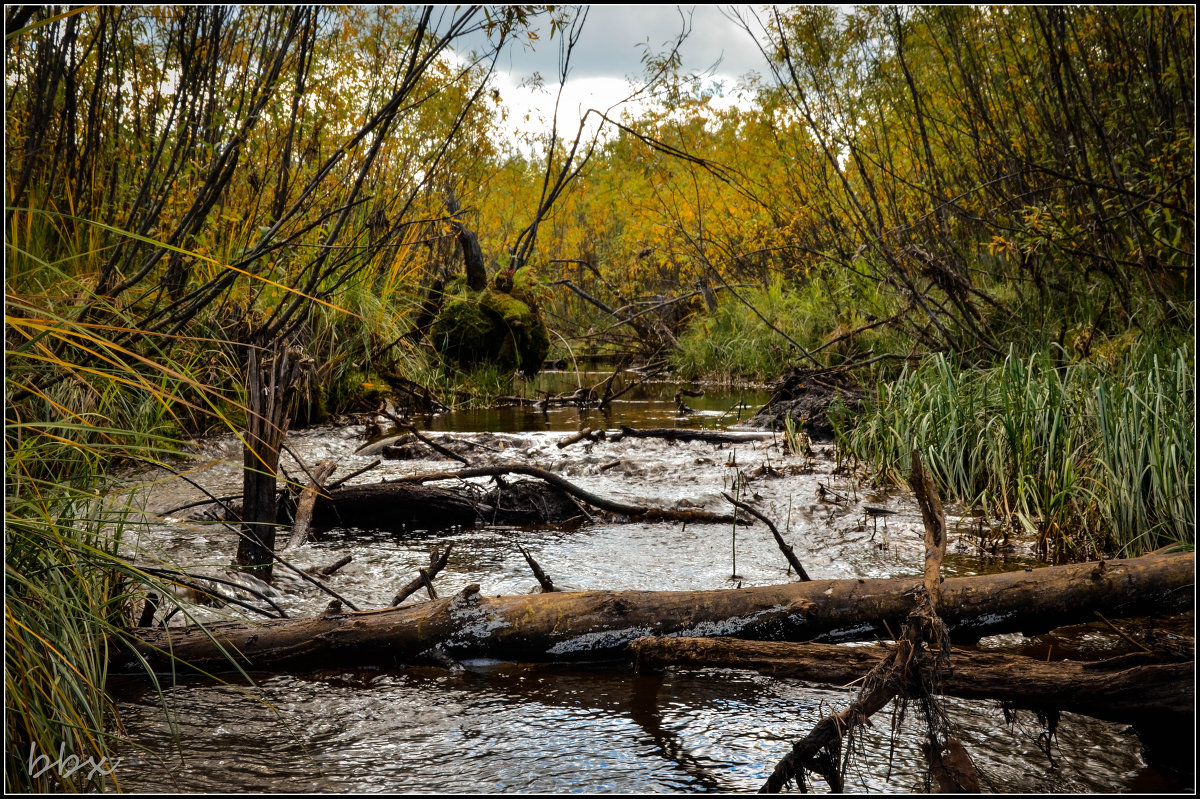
491, 327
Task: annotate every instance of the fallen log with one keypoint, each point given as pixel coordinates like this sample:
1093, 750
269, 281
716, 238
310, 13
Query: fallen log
571, 439
644, 512
709, 436
920, 658
1122, 689
600, 624
396, 506
405, 505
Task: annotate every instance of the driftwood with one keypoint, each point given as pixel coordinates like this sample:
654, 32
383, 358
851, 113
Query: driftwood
575, 438
608, 384
436, 447
787, 551
328, 571
600, 624
437, 562
1124, 689
710, 436
643, 512
543, 579
920, 658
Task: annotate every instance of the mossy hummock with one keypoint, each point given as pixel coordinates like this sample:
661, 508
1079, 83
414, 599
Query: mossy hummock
491, 326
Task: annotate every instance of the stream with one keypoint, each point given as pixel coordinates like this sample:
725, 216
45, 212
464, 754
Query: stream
500, 727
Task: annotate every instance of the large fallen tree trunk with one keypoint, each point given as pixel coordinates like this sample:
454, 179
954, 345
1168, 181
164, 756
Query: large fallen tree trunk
407, 504
600, 624
641, 512
709, 436
1126, 689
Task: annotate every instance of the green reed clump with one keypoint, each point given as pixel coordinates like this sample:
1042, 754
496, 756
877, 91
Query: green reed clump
70, 588
69, 594
1089, 459
1146, 453
62, 597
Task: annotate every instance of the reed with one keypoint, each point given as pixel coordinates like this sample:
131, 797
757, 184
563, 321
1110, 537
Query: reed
70, 592
1146, 454
90, 407
1090, 458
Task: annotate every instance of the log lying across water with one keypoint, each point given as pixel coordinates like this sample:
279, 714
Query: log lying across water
709, 436
407, 504
594, 625
1125, 689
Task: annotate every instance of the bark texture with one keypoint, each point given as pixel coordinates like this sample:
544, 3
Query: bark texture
1126, 690
601, 624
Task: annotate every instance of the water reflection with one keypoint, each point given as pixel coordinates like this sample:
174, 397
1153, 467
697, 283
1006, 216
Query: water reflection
519, 728
644, 404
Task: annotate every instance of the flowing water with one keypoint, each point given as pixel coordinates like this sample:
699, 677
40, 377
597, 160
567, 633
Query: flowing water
491, 727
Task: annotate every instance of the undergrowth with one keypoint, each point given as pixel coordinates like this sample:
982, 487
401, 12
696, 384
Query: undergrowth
761, 335
1091, 457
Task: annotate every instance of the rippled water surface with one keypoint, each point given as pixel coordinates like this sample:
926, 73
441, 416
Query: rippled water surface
494, 727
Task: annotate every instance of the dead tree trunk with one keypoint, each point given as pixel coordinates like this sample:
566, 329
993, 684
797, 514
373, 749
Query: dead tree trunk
599, 624
472, 253
270, 389
1126, 689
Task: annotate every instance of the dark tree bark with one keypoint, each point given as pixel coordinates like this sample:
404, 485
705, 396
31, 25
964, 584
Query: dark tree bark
472, 253
600, 624
1125, 690
270, 391
710, 436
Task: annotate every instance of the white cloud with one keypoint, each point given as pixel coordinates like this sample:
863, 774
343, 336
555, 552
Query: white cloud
608, 57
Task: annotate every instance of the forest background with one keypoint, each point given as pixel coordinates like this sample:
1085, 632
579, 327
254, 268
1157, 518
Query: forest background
988, 213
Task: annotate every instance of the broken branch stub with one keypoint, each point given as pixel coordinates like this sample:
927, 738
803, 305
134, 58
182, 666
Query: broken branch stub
271, 388
921, 657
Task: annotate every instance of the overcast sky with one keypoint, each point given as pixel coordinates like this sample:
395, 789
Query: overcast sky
610, 52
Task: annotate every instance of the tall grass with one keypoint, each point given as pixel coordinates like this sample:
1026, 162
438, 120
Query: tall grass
1146, 420
70, 585
66, 594
1089, 458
